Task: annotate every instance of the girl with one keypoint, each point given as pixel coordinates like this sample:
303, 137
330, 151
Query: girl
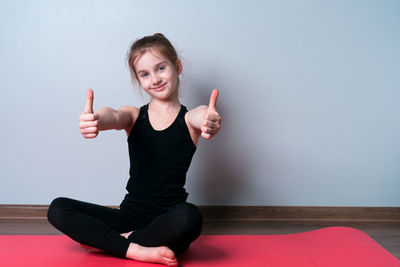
154, 222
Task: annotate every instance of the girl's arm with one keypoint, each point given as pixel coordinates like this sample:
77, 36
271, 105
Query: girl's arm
205, 120
106, 118
119, 119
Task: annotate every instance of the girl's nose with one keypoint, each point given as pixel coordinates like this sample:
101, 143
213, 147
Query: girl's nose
156, 80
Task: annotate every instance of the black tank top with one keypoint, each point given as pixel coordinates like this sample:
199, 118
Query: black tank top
159, 161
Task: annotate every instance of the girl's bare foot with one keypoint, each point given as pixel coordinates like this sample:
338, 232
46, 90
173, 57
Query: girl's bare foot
162, 255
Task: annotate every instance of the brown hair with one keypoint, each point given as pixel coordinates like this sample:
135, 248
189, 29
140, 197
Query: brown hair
156, 41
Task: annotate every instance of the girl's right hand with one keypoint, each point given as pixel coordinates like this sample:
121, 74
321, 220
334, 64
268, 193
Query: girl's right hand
88, 121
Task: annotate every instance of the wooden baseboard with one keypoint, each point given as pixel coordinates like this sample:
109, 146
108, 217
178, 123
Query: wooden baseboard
302, 213
254, 213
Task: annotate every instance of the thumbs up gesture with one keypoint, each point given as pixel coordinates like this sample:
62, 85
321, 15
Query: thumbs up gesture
211, 120
88, 121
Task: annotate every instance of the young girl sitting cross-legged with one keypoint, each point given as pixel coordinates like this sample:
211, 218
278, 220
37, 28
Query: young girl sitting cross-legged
154, 222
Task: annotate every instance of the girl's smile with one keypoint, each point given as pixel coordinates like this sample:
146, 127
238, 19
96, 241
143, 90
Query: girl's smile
160, 88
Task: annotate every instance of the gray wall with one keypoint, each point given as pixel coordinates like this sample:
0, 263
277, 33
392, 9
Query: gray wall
309, 94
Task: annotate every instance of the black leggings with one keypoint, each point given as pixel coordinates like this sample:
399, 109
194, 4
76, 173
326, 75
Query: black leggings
100, 227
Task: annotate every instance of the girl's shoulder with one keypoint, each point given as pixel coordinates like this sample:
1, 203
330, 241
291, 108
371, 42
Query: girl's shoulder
130, 115
132, 110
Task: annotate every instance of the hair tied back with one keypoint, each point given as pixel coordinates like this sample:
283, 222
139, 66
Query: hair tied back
159, 35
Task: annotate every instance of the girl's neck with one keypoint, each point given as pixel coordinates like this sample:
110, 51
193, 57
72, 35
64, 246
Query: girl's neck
164, 106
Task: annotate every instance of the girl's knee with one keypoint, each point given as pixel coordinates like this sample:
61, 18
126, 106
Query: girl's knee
56, 210
195, 214
191, 219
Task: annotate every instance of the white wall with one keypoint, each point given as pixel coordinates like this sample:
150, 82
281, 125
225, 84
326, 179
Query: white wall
309, 94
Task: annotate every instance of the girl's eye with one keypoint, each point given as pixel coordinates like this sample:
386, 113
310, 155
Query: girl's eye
161, 68
145, 74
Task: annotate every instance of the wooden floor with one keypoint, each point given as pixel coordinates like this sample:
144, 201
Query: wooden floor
386, 234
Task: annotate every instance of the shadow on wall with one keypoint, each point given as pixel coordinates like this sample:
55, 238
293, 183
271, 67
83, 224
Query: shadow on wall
222, 174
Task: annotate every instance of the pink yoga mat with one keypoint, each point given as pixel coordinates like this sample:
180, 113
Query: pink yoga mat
332, 246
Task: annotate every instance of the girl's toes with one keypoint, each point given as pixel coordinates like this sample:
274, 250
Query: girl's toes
168, 253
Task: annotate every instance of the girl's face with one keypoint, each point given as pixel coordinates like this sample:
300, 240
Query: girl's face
157, 75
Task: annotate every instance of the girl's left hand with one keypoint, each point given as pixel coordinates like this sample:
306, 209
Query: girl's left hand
211, 120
